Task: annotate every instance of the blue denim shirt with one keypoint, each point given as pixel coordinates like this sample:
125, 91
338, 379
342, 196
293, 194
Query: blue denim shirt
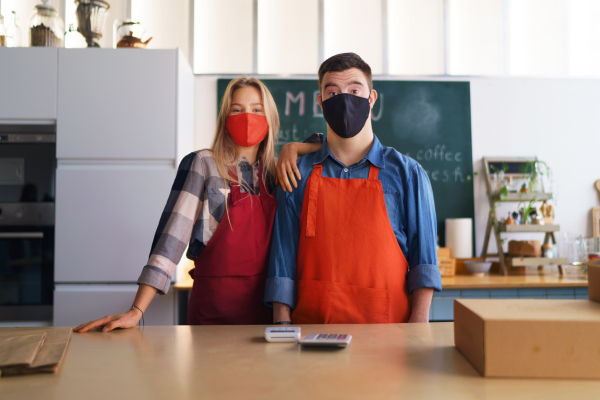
410, 208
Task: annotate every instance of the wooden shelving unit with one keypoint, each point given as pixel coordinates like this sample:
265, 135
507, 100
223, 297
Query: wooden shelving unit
536, 261
493, 224
528, 228
513, 197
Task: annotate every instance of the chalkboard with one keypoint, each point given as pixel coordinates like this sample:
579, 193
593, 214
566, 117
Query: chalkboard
428, 121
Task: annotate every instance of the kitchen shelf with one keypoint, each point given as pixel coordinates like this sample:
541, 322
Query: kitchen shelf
536, 261
528, 228
522, 197
495, 226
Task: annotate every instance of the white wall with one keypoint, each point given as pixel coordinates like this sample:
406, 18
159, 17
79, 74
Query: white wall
554, 119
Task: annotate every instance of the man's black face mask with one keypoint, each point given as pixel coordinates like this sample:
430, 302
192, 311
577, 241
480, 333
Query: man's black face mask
346, 114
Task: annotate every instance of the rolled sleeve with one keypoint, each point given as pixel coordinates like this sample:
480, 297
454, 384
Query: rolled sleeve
280, 285
281, 290
421, 233
175, 225
155, 277
425, 275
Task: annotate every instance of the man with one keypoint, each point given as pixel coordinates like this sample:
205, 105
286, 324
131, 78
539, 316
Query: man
356, 242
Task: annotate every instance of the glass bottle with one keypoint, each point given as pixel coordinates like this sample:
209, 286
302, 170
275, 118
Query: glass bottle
13, 32
2, 32
47, 29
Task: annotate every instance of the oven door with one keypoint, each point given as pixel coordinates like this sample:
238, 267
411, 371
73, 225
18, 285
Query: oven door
26, 273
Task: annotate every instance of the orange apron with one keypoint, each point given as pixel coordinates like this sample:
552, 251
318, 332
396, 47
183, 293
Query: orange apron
350, 268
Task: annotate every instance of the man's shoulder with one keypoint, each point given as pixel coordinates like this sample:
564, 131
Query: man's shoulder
306, 162
305, 166
397, 160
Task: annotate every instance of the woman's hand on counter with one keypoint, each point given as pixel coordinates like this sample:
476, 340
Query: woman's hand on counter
129, 319
125, 320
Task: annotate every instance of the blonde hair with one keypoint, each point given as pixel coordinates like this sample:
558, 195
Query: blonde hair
224, 149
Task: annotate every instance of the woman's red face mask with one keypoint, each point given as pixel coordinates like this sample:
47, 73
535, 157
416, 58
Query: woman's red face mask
247, 129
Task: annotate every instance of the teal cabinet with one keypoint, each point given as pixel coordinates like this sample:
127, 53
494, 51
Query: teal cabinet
442, 305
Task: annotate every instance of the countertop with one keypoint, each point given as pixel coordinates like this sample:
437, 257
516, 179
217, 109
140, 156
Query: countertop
387, 361
533, 279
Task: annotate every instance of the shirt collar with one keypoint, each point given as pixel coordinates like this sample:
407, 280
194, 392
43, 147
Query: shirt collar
244, 163
374, 156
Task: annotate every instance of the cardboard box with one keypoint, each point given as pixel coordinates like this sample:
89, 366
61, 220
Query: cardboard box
529, 338
444, 252
525, 248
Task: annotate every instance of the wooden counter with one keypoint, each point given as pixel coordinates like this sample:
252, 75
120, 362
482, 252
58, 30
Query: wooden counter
529, 281
395, 361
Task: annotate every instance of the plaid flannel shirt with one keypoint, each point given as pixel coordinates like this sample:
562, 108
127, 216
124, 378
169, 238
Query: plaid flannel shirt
193, 212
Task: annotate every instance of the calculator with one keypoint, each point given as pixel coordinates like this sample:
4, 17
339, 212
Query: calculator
326, 340
282, 334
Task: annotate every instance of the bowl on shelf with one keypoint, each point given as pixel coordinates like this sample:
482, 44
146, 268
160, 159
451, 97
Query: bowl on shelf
478, 268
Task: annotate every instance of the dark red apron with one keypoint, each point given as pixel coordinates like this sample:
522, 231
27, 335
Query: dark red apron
231, 271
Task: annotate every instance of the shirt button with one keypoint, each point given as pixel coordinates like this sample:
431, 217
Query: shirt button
345, 169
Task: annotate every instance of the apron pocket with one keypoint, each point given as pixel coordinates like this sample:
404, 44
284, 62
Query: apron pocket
358, 305
228, 301
312, 302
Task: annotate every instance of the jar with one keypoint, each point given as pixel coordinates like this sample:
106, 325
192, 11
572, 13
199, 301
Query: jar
2, 32
13, 32
47, 29
90, 19
547, 251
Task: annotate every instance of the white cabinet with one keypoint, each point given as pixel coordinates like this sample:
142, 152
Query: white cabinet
117, 103
76, 304
124, 119
106, 216
28, 81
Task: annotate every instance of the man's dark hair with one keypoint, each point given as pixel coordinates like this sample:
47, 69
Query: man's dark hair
342, 62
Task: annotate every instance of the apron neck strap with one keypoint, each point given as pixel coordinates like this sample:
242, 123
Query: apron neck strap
373, 173
234, 186
313, 195
317, 170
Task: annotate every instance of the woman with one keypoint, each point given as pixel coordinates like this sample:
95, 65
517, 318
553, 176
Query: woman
222, 205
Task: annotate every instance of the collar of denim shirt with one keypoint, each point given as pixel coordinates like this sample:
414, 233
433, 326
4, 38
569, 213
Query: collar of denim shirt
374, 156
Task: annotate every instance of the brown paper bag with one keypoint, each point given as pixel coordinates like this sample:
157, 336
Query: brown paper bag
49, 357
20, 350
53, 351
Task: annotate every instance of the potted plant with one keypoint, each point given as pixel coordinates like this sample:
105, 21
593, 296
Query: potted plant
498, 176
540, 176
527, 211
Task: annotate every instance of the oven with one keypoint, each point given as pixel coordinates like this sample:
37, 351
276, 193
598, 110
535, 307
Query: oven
27, 191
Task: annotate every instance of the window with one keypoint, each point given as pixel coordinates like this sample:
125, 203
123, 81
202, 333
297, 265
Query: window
354, 26
537, 37
223, 36
549, 38
416, 37
288, 36
584, 38
475, 37
168, 23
